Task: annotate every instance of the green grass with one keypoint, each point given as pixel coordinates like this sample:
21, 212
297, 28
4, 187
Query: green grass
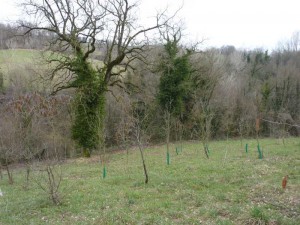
231, 187
10, 59
29, 65
20, 67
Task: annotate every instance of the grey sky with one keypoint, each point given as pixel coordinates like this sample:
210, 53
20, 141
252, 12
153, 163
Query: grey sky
242, 23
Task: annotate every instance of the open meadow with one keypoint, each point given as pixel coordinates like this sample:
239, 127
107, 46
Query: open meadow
231, 187
112, 116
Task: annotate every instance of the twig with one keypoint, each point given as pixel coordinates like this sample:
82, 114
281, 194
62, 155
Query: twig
274, 122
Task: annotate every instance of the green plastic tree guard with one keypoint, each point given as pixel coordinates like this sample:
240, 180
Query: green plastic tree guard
104, 172
168, 158
207, 149
260, 155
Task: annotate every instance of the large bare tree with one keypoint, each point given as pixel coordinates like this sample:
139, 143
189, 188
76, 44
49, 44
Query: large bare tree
81, 28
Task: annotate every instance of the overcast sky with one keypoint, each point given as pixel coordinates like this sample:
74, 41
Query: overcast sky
242, 23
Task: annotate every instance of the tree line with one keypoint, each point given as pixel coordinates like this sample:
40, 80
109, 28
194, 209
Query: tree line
166, 91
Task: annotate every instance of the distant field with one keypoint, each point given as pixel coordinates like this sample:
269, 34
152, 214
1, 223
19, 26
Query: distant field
26, 63
11, 58
20, 66
232, 187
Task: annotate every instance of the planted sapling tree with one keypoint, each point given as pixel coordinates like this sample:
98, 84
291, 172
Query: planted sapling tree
140, 116
203, 82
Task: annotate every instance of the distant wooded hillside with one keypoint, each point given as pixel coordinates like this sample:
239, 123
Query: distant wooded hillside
231, 87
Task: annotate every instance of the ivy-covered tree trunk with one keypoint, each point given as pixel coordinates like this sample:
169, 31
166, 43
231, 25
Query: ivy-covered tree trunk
89, 107
173, 89
89, 116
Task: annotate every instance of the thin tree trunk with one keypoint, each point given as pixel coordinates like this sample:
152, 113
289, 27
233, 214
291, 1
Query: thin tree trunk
167, 120
10, 178
27, 175
181, 131
144, 164
205, 149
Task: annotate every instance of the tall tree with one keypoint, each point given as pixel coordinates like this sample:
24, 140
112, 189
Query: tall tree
204, 82
81, 28
175, 70
173, 88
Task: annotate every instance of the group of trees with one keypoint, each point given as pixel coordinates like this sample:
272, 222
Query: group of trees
12, 37
103, 80
163, 91
219, 93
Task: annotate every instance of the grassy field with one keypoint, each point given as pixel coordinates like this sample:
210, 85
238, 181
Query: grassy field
19, 65
12, 59
232, 187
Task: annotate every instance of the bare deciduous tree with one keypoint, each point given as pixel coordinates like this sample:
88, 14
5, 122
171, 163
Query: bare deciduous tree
205, 80
48, 177
139, 116
81, 28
